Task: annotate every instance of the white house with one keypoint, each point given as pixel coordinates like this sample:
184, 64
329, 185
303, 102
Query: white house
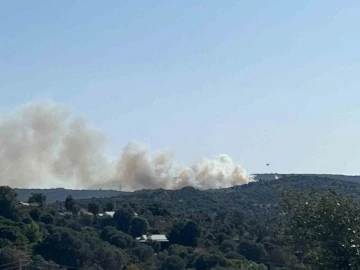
107, 213
28, 204
154, 237
24, 203
111, 214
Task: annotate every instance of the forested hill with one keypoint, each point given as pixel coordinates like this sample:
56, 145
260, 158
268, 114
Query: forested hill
272, 176
253, 226
254, 193
60, 194
257, 192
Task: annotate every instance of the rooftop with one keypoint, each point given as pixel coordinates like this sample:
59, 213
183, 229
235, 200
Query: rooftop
154, 237
107, 213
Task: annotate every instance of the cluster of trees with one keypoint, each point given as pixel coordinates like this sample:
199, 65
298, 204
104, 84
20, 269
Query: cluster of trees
318, 230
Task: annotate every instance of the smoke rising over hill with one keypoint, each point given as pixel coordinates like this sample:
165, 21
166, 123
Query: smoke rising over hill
43, 144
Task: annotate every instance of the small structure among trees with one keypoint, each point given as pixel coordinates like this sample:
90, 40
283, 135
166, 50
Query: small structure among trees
159, 239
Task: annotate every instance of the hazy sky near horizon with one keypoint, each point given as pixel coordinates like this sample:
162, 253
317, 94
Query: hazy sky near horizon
263, 81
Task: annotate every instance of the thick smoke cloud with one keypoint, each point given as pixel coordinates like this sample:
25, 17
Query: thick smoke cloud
43, 145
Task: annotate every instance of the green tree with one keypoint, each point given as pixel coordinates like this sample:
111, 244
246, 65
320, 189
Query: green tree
181, 251
190, 233
35, 214
93, 208
67, 247
206, 261
69, 203
324, 228
108, 257
227, 246
143, 253
185, 234
13, 234
115, 237
47, 219
252, 251
38, 198
32, 232
8, 199
9, 256
139, 226
38, 262
119, 241
123, 218
109, 206
174, 262
75, 209
86, 219
108, 232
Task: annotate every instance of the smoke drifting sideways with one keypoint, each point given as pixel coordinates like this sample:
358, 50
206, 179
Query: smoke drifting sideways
43, 145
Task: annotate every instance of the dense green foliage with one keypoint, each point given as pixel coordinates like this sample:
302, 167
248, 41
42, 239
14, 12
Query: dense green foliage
324, 231
93, 208
260, 225
60, 194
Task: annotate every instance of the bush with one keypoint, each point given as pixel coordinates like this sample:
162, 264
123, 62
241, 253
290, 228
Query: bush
143, 253
227, 246
232, 255
174, 262
139, 226
208, 261
47, 219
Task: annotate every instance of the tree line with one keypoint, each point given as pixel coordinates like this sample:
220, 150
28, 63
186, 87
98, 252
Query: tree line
300, 230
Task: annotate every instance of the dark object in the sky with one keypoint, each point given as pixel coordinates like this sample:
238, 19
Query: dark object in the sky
267, 164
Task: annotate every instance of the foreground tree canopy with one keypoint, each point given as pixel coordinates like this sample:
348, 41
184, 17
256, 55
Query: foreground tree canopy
324, 229
256, 226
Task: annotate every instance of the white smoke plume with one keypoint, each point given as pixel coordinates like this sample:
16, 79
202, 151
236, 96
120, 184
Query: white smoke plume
43, 144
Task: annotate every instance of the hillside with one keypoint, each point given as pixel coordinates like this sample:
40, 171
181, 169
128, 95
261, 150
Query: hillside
296, 181
273, 176
231, 228
60, 194
258, 199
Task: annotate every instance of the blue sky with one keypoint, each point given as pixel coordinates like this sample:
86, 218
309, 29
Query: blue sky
264, 81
